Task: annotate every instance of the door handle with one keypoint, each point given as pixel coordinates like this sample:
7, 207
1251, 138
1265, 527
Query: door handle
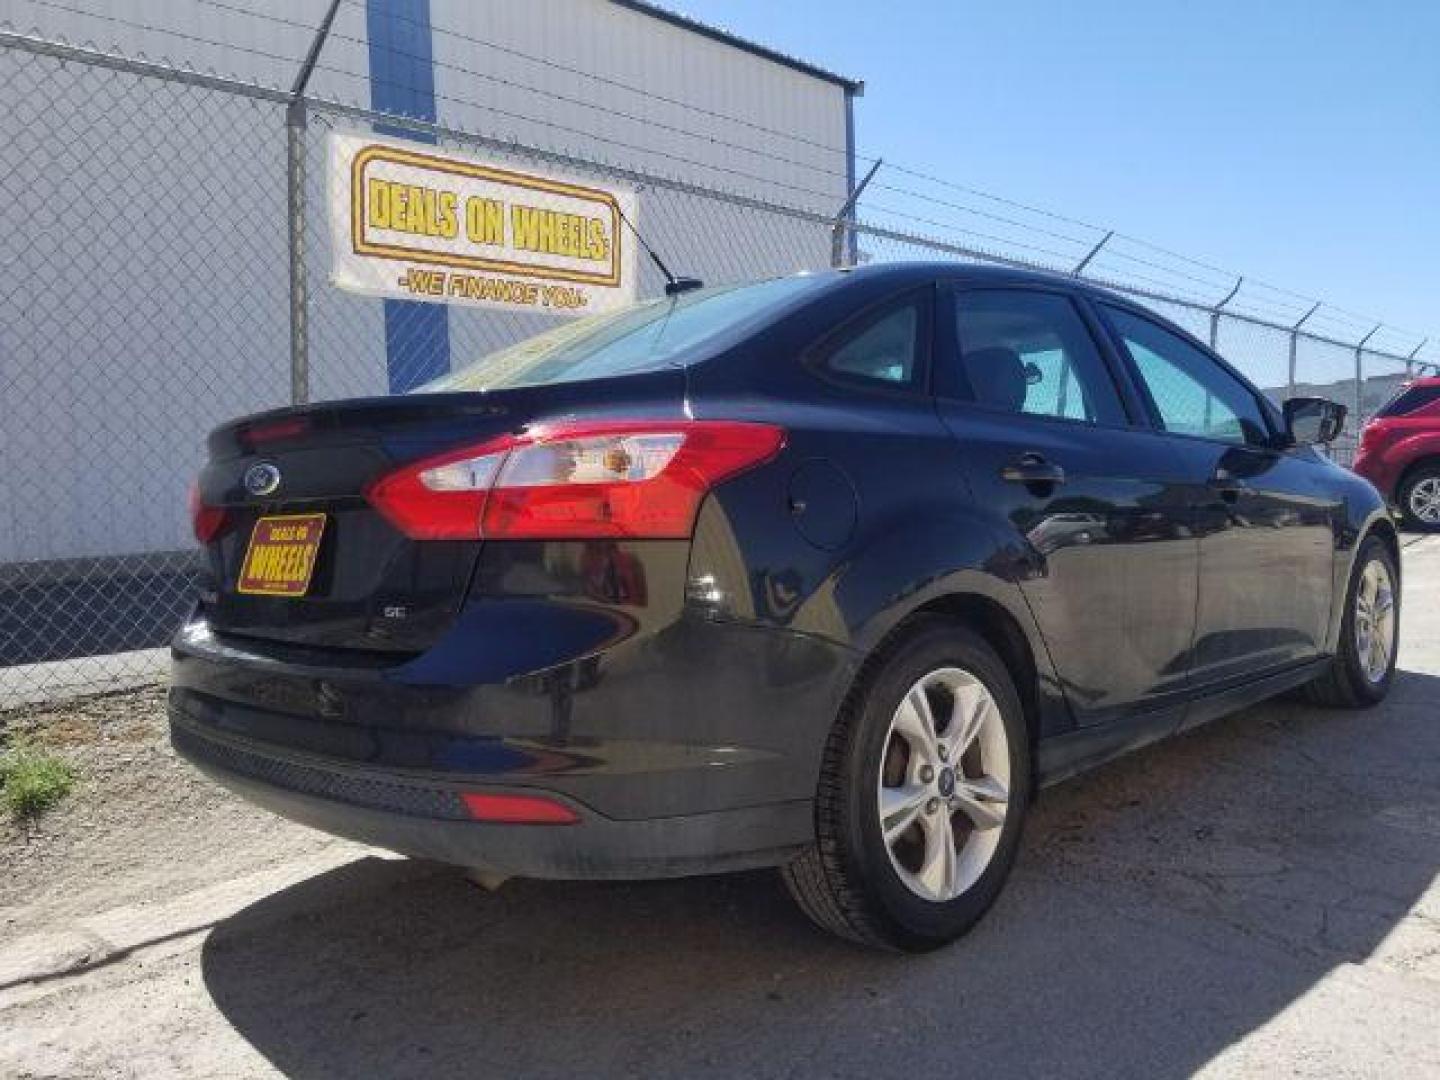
1032, 469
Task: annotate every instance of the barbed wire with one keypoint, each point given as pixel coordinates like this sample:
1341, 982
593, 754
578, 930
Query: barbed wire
553, 95
1251, 284
606, 80
1032, 236
248, 50
649, 151
647, 93
828, 197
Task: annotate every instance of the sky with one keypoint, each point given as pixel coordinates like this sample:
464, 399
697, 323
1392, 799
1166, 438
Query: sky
1294, 141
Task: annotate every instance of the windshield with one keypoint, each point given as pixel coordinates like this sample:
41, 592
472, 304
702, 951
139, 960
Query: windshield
1409, 399
646, 336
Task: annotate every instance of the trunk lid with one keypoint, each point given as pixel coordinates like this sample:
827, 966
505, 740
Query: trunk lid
371, 587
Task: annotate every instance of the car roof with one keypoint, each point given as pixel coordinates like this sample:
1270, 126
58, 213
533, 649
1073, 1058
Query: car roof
919, 272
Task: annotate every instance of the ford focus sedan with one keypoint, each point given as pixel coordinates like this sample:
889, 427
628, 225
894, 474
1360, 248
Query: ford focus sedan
828, 573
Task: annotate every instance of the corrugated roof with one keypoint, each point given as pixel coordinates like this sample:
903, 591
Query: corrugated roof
685, 22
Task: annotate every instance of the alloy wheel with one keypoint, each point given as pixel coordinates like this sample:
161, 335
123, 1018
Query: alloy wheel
944, 785
1375, 620
1424, 500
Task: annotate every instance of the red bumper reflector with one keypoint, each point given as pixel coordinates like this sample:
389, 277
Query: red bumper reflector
518, 809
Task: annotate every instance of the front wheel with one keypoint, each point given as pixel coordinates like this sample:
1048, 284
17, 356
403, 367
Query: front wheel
1364, 664
922, 797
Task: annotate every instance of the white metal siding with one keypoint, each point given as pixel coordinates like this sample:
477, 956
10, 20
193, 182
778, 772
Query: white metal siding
641, 129
132, 324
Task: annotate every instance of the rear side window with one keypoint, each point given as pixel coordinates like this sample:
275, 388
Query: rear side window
1030, 352
1410, 399
1192, 393
883, 350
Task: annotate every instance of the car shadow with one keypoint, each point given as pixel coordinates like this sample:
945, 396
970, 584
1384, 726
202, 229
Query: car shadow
1163, 908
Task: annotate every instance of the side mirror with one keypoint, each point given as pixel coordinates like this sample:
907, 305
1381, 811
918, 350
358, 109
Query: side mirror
1311, 420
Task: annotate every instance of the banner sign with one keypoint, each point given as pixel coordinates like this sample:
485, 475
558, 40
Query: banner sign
409, 222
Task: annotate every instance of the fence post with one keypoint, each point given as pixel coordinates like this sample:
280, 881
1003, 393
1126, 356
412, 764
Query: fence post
845, 219
1294, 346
1089, 255
1215, 313
295, 128
1410, 360
295, 224
1360, 375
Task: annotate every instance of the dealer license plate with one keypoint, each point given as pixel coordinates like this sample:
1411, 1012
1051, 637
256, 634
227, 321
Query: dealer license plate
281, 557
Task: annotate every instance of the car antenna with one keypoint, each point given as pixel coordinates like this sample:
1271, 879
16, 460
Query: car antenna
673, 286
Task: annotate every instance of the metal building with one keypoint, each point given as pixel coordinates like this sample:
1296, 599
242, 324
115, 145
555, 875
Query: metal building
150, 284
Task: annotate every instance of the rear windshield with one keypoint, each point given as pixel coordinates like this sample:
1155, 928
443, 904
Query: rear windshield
646, 336
1409, 399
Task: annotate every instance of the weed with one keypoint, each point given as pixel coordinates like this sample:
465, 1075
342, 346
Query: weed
32, 780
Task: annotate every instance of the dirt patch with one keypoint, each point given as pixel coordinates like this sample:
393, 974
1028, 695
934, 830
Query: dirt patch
140, 824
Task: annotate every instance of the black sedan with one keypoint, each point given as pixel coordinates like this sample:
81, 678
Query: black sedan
828, 573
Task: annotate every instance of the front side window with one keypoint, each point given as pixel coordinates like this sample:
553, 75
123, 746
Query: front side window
1030, 352
1193, 395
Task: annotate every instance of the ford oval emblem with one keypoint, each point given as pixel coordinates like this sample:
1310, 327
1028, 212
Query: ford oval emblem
262, 479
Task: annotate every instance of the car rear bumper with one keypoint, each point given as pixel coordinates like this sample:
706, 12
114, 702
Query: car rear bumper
425, 818
694, 751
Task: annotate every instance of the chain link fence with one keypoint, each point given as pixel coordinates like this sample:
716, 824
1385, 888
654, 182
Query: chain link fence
148, 303
141, 308
715, 236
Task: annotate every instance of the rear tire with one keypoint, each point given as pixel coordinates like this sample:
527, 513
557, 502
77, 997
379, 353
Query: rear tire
1356, 679
1419, 497
916, 834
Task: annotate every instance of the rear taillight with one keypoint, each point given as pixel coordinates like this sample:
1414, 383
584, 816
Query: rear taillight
614, 479
207, 521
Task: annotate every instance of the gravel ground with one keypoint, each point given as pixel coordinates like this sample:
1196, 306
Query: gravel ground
139, 826
1259, 896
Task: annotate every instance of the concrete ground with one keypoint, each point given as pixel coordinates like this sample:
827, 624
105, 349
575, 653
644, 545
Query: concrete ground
1257, 897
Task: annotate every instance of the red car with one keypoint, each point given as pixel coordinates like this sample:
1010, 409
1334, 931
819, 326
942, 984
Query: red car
1400, 452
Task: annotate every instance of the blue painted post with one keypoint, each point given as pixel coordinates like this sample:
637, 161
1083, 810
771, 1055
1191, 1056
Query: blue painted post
402, 81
